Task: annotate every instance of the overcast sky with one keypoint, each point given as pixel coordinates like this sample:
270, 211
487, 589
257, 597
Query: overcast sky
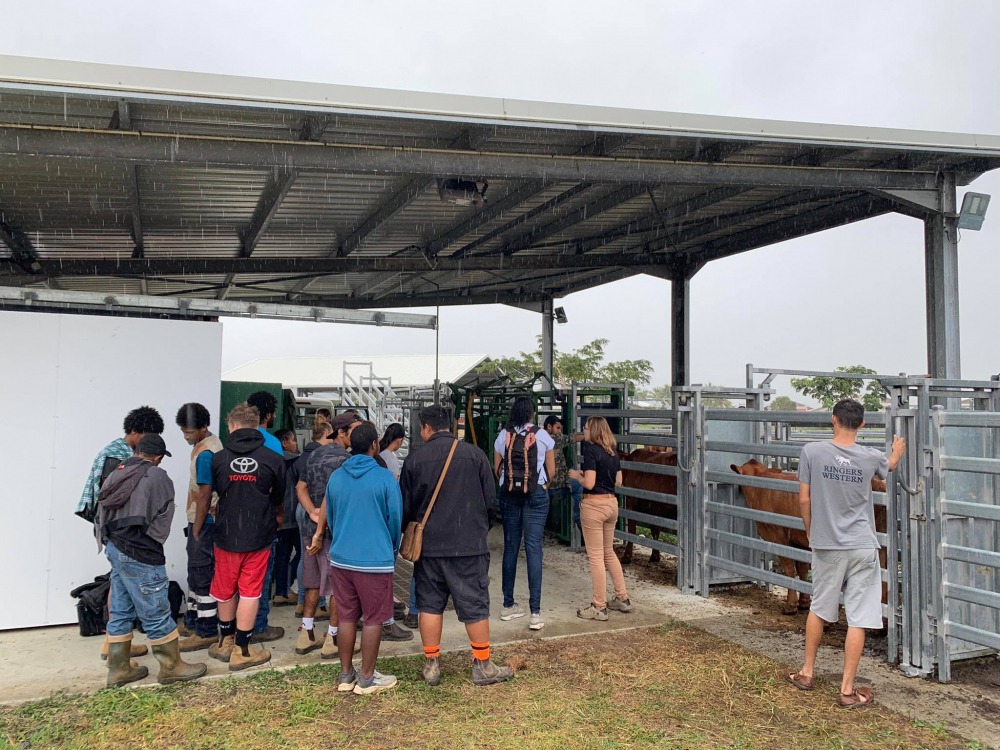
847, 296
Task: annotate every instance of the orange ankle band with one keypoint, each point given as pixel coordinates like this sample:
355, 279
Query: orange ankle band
432, 652
481, 651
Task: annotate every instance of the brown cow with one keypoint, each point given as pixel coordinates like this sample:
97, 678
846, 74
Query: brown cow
787, 504
643, 480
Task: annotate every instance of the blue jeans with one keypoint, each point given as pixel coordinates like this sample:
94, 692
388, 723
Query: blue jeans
138, 590
523, 516
576, 490
411, 608
287, 555
264, 609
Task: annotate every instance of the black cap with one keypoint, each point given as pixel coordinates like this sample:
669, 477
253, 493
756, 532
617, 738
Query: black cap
343, 421
152, 444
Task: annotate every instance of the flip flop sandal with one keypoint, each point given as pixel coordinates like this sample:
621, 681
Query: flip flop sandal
860, 698
800, 681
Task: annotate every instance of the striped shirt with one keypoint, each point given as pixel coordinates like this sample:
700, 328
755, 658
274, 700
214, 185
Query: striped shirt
118, 449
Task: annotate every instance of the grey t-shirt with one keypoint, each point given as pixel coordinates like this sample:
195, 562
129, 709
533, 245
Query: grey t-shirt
391, 461
840, 489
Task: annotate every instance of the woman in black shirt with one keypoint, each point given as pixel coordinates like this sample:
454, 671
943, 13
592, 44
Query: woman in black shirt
599, 517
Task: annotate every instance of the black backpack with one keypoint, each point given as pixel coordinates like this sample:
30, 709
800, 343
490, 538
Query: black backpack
520, 462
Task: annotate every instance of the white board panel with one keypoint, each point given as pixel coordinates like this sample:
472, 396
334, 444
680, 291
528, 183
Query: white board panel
81, 374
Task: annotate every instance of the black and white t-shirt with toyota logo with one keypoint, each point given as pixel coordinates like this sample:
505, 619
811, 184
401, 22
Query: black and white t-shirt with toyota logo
250, 480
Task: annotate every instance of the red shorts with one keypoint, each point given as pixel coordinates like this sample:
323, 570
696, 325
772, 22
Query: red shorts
243, 570
368, 594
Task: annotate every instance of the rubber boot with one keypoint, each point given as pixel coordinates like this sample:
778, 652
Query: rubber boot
137, 649
172, 667
121, 669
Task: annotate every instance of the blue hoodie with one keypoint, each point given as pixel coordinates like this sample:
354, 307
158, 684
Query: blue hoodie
365, 509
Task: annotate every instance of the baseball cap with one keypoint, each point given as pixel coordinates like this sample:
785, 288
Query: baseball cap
152, 445
343, 421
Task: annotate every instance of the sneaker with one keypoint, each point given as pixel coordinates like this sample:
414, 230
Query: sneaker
322, 613
622, 605
535, 622
222, 651
488, 673
346, 682
273, 633
375, 684
432, 671
307, 642
395, 633
591, 612
412, 621
255, 657
512, 612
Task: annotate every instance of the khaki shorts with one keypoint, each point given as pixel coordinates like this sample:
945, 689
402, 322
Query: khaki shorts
855, 572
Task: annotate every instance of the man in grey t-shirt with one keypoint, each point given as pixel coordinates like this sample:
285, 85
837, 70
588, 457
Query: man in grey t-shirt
835, 498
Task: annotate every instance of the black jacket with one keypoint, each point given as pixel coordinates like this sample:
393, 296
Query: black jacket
464, 510
291, 499
250, 480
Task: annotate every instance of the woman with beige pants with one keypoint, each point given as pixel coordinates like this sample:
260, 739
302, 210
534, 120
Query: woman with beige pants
599, 515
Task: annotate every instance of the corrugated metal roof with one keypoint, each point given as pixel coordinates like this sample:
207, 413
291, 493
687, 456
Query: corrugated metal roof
298, 169
324, 373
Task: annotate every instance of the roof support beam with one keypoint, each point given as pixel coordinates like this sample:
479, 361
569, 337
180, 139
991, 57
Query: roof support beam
154, 267
153, 148
409, 193
277, 187
122, 120
833, 215
493, 210
21, 250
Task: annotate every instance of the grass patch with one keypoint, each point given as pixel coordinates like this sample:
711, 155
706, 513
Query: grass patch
671, 686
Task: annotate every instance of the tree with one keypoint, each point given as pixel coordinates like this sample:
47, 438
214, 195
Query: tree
783, 403
828, 391
585, 364
658, 393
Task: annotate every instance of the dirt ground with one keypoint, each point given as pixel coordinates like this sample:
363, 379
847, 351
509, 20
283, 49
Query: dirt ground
671, 686
751, 616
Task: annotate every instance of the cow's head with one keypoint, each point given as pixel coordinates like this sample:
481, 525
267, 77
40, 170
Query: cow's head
750, 468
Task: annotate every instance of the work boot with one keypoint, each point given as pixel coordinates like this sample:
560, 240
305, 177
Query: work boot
398, 610
137, 649
488, 673
322, 613
393, 632
121, 669
331, 646
222, 650
307, 642
299, 609
195, 642
182, 629
285, 601
432, 671
172, 667
273, 633
254, 658
412, 621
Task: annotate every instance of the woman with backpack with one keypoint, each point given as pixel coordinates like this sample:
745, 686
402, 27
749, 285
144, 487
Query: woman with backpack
599, 516
523, 460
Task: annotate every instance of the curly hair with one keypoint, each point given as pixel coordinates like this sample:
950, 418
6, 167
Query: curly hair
243, 415
265, 402
283, 434
143, 421
193, 416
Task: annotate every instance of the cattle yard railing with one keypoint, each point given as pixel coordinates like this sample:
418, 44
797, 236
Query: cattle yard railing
942, 504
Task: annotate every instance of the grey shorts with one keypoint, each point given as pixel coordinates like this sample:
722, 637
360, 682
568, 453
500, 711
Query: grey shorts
856, 573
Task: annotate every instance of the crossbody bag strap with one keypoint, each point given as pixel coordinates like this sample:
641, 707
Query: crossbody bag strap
437, 489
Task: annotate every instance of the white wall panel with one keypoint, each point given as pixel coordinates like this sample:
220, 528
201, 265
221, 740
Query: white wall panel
68, 381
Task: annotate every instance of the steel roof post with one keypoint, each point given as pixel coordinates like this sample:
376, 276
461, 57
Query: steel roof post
941, 279
680, 323
548, 329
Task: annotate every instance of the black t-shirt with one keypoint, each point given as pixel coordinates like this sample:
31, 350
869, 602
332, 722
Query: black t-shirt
132, 541
596, 459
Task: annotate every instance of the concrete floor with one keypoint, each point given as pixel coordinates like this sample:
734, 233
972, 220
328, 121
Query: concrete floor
39, 662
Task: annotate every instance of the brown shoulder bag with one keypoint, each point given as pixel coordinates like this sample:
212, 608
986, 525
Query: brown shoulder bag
413, 535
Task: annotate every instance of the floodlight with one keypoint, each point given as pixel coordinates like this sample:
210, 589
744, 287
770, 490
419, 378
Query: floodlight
560, 315
973, 212
462, 192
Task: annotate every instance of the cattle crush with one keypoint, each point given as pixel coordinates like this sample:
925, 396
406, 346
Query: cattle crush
725, 501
